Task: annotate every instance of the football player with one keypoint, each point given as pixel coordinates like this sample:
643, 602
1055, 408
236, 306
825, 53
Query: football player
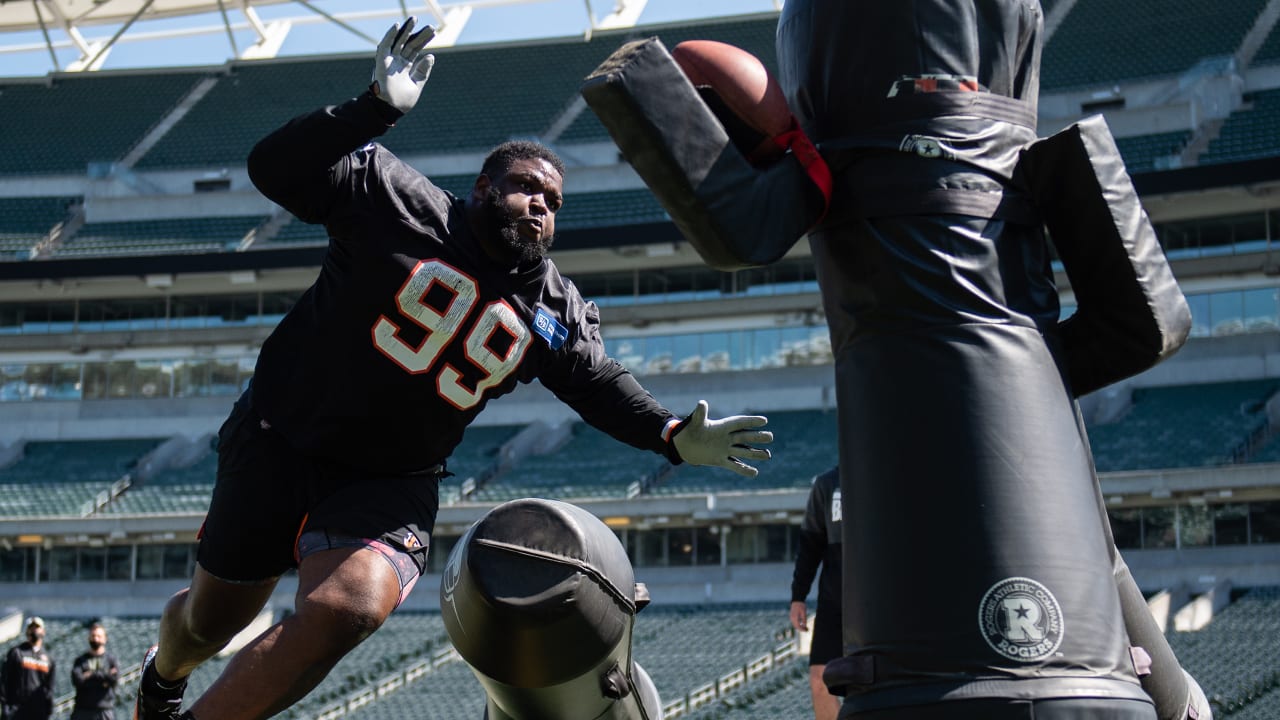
426, 307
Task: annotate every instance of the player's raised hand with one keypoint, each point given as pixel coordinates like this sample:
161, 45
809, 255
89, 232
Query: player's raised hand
402, 64
722, 443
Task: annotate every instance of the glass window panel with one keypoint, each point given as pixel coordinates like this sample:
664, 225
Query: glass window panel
151, 562
1227, 311
1126, 527
66, 381
1159, 527
1195, 525
708, 546
679, 546
191, 378
1261, 310
120, 379
1231, 524
120, 562
152, 379
653, 548
177, 561
93, 563
1201, 321
740, 544
95, 381
224, 377
17, 565
60, 563
776, 545
1264, 522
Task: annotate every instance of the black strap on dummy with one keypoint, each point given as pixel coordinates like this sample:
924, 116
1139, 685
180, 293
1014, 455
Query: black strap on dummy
1130, 313
734, 214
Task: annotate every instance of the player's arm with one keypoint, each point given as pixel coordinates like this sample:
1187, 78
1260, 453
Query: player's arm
306, 165
609, 397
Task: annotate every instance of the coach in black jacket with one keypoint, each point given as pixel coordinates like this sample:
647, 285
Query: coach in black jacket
26, 678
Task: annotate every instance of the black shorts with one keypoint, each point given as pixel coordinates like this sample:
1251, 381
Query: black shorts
827, 642
268, 495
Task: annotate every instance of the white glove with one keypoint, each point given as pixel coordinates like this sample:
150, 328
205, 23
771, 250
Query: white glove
722, 442
402, 65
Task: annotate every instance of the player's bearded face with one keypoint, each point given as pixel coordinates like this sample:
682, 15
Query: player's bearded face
504, 222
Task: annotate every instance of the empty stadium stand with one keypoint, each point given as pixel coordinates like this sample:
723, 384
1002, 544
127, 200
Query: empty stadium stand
1250, 132
1184, 426
25, 221
169, 236
66, 477
1236, 657
1101, 41
63, 122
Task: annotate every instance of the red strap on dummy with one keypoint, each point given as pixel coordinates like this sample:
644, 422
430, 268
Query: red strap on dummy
803, 148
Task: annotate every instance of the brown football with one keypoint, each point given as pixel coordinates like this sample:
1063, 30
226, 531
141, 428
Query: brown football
744, 86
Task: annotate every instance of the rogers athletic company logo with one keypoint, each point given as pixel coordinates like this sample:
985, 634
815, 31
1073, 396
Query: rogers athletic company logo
1021, 620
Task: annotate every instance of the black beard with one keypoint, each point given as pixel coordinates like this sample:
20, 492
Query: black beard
95, 646
504, 231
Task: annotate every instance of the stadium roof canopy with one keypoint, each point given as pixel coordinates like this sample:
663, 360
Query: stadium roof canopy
61, 23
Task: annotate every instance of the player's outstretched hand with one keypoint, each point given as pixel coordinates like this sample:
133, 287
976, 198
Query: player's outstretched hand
722, 443
403, 65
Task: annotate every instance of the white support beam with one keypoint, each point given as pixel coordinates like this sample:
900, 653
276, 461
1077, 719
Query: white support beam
625, 14
451, 25
269, 41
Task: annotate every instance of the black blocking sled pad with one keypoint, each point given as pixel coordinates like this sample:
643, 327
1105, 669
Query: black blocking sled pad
734, 214
1130, 313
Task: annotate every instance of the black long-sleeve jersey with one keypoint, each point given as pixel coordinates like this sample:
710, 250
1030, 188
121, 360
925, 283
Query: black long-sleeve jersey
820, 543
26, 683
95, 678
410, 328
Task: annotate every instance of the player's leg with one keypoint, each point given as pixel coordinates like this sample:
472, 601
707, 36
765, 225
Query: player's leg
246, 543
200, 620
344, 594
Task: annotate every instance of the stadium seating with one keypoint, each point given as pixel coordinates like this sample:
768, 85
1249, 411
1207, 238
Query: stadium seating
1235, 657
782, 694
475, 458
1183, 426
66, 477
1248, 133
170, 236
590, 465
1269, 52
67, 121
1103, 41
449, 692
804, 445
25, 221
1141, 152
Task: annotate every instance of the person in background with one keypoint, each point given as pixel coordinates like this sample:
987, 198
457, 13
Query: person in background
26, 678
820, 546
95, 675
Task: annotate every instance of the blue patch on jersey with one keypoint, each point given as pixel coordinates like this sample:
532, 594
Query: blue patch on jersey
550, 329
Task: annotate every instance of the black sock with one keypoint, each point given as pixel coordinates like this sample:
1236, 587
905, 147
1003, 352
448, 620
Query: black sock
157, 685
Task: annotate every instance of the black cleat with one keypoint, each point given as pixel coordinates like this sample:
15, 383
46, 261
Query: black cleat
156, 703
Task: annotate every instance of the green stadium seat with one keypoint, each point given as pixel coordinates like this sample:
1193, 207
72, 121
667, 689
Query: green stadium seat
1249, 133
24, 221
169, 236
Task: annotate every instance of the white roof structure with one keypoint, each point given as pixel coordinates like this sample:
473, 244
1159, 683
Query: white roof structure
94, 27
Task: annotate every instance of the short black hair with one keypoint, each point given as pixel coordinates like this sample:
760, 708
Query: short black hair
501, 158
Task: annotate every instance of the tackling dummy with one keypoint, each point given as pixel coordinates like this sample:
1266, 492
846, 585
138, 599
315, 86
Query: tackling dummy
539, 598
978, 517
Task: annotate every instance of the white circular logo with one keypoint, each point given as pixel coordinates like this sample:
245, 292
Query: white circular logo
1021, 620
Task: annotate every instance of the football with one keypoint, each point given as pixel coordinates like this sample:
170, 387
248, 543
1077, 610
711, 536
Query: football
741, 92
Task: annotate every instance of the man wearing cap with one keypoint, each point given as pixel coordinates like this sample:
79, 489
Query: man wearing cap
26, 678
